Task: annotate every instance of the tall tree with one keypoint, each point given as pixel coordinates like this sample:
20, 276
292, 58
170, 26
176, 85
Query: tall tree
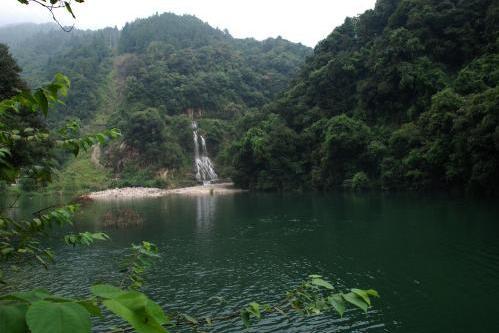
10, 79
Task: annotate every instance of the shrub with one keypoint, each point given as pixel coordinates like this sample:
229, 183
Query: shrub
360, 181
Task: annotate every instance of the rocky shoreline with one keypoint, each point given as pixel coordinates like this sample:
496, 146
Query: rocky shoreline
147, 192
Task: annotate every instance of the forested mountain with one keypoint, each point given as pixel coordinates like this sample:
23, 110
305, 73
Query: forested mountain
178, 63
148, 77
404, 96
84, 56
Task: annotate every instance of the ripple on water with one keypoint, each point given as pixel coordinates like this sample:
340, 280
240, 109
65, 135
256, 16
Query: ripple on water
436, 272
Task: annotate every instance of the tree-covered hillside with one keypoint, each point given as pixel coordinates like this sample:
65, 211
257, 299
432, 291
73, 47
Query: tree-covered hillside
176, 63
148, 77
85, 56
404, 96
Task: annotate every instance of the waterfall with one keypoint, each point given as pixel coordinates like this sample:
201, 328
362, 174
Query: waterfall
205, 172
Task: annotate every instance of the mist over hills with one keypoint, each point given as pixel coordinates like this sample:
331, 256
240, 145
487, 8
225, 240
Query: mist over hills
403, 96
156, 69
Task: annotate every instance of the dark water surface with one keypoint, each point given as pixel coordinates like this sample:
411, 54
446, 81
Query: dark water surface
435, 261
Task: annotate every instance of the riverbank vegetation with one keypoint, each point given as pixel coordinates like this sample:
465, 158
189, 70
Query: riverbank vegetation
30, 151
149, 79
404, 96
22, 242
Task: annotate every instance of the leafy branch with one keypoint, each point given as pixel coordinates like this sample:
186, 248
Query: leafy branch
41, 311
67, 138
136, 263
85, 238
23, 238
314, 296
52, 6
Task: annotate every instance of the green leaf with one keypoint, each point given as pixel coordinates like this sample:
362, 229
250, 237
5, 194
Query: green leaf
84, 238
28, 296
245, 317
92, 307
68, 7
12, 318
101, 138
42, 101
254, 308
372, 292
53, 91
63, 82
58, 299
106, 291
315, 276
355, 300
155, 311
27, 98
322, 283
100, 236
48, 317
363, 294
131, 307
338, 304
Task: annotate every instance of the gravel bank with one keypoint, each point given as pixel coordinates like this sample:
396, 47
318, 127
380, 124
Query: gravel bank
147, 192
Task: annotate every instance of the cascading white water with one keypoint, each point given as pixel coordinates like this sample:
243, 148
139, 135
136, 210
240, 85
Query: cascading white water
205, 172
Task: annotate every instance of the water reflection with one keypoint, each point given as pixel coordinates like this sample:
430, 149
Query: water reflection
205, 211
122, 218
253, 247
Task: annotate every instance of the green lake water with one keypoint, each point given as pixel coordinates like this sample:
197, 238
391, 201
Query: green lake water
434, 260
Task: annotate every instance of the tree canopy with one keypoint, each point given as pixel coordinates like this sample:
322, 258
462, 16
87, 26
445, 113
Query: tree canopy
175, 65
405, 94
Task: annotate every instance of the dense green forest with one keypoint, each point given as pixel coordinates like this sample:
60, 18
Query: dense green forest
404, 96
32, 142
147, 79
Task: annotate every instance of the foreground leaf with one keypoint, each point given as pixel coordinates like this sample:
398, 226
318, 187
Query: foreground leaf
134, 307
321, 283
254, 308
92, 307
245, 317
48, 317
155, 311
356, 300
12, 318
372, 292
363, 294
28, 296
106, 291
338, 304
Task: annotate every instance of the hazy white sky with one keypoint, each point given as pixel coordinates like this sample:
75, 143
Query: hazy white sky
305, 21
